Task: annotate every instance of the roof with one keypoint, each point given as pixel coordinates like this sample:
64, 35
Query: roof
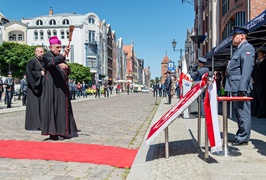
165, 60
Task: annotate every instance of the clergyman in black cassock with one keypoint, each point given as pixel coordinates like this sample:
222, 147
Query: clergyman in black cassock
34, 74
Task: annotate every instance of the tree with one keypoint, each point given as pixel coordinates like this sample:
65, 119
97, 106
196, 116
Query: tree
156, 79
151, 82
14, 57
79, 72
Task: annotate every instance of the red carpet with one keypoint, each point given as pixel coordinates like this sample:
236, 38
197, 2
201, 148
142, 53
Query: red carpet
72, 152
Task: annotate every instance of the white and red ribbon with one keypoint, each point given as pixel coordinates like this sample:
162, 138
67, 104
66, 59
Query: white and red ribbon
211, 115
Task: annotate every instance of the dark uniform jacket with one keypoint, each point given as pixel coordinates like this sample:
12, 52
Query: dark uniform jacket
239, 68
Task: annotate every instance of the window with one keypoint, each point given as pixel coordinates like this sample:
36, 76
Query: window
35, 35
39, 22
67, 33
41, 34
20, 37
91, 63
62, 32
48, 34
54, 32
13, 37
65, 22
225, 7
91, 35
240, 19
228, 29
52, 22
91, 20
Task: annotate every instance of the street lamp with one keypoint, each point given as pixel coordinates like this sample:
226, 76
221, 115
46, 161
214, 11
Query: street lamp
174, 46
198, 39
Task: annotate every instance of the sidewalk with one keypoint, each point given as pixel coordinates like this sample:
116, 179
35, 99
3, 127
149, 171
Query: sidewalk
186, 158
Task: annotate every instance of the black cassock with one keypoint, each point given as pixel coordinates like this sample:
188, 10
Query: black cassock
57, 115
34, 92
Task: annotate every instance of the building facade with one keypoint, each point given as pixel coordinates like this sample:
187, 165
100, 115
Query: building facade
94, 44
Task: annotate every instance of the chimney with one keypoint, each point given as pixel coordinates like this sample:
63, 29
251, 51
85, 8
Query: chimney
51, 11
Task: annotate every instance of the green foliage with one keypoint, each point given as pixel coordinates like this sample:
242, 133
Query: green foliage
156, 79
79, 72
14, 57
151, 82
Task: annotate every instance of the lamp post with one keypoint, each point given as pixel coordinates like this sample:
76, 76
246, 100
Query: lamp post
198, 39
174, 46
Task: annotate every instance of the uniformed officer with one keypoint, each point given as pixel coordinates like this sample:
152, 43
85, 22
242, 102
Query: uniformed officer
196, 75
238, 82
23, 89
10, 89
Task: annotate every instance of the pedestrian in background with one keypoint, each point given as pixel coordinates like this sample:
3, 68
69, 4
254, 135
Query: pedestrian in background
98, 89
84, 89
110, 85
23, 89
154, 87
34, 74
105, 89
128, 87
168, 86
72, 88
259, 78
239, 83
159, 87
118, 89
10, 89
79, 89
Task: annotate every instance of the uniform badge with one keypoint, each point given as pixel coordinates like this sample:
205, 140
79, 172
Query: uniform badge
247, 53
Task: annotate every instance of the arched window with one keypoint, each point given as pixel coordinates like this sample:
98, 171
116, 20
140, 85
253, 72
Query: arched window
91, 20
54, 32
52, 22
35, 35
20, 37
39, 22
65, 22
48, 34
62, 32
41, 34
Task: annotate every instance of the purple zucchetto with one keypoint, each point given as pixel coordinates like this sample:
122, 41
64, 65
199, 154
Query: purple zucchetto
54, 40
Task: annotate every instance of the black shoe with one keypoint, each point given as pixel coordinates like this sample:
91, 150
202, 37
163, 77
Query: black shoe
54, 137
239, 143
232, 140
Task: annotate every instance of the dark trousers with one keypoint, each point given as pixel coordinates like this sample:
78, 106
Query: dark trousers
97, 93
169, 96
106, 92
261, 98
242, 111
155, 92
24, 98
9, 96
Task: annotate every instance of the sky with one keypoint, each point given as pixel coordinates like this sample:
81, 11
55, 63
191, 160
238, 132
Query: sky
150, 24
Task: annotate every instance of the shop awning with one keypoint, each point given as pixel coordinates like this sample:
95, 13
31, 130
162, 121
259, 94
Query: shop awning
256, 37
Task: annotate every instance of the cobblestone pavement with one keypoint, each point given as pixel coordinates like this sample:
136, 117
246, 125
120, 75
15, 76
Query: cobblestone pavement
120, 120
